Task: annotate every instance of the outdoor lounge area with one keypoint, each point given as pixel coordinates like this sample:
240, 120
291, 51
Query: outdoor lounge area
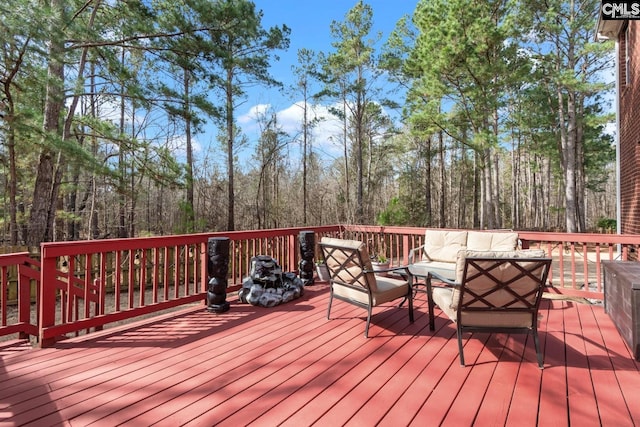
276, 213
289, 364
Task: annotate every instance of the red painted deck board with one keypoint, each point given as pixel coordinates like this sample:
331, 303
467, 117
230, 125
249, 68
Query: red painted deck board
289, 365
398, 384
553, 409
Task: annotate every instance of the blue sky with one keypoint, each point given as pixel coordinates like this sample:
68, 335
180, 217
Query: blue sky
309, 22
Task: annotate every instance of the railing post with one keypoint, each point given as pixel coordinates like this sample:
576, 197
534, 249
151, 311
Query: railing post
217, 270
307, 240
47, 295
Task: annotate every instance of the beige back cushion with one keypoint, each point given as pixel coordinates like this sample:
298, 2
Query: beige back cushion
444, 245
349, 269
502, 274
492, 241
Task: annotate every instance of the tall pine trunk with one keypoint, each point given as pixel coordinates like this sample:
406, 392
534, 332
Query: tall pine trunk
191, 219
40, 226
230, 143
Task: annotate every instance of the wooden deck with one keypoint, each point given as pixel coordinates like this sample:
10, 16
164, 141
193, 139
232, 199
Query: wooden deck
288, 365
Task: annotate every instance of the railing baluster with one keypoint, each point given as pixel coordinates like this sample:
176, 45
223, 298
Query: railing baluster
4, 288
118, 279
598, 269
176, 271
87, 285
166, 274
102, 282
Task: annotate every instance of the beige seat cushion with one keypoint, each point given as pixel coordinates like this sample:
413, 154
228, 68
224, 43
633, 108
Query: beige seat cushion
443, 298
492, 241
462, 255
443, 245
389, 289
444, 269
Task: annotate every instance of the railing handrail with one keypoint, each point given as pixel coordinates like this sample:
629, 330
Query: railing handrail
83, 247
7, 260
626, 239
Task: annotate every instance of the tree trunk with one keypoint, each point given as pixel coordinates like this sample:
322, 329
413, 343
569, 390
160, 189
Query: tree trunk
570, 171
359, 136
463, 185
305, 160
230, 163
487, 179
496, 197
13, 187
43, 194
515, 183
345, 146
13, 172
122, 198
187, 114
580, 180
9, 114
443, 193
427, 184
477, 192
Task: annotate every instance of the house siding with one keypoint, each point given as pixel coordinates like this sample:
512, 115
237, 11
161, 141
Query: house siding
630, 128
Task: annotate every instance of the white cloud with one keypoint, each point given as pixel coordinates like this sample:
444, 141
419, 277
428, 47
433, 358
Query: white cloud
253, 114
326, 132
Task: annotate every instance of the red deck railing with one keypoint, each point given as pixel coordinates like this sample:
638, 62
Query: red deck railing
88, 284
20, 268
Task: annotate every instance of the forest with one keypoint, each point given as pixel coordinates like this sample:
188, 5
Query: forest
502, 122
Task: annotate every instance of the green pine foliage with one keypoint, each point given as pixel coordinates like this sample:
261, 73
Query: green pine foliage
501, 122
